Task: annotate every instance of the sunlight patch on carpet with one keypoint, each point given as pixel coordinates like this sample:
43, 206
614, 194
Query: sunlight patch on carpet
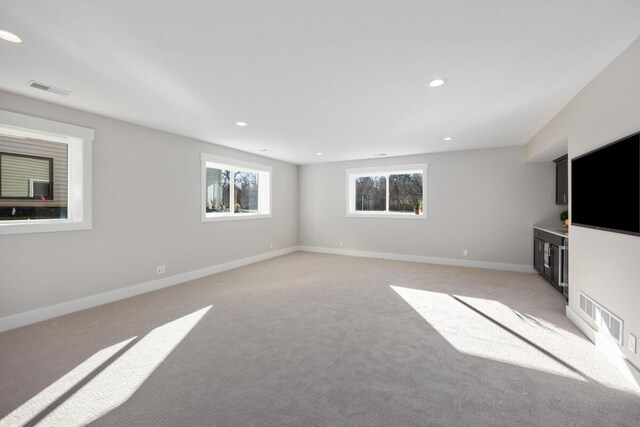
111, 386
489, 329
471, 333
567, 346
49, 395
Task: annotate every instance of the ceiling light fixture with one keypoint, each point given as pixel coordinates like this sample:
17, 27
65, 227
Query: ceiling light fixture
9, 36
241, 124
448, 138
318, 154
437, 82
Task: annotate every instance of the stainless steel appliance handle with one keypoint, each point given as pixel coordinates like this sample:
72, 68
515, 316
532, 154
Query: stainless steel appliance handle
563, 273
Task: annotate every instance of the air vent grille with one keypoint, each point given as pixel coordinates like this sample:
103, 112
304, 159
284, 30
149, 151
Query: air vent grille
39, 86
603, 318
48, 88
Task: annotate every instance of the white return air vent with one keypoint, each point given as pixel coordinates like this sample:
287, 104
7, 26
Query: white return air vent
604, 319
48, 88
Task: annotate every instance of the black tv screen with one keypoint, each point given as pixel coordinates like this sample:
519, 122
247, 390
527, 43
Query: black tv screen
605, 187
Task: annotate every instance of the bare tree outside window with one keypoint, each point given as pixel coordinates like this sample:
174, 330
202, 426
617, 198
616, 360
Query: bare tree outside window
371, 193
387, 191
246, 192
403, 190
234, 190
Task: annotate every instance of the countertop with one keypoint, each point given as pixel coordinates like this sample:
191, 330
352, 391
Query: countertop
554, 229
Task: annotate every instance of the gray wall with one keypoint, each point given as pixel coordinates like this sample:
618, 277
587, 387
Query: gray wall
146, 212
604, 265
485, 201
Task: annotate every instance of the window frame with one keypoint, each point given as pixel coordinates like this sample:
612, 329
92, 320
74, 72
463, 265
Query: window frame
386, 171
265, 174
79, 176
31, 180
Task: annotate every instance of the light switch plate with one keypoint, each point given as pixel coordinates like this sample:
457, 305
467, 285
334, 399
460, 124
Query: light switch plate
632, 343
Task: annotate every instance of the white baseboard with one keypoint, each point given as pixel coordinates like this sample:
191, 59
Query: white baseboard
40, 314
521, 268
581, 324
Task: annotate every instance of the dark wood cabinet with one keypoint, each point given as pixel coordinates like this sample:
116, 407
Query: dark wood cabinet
550, 258
538, 255
562, 180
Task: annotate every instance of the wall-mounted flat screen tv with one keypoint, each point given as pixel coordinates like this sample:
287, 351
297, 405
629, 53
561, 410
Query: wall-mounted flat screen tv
605, 187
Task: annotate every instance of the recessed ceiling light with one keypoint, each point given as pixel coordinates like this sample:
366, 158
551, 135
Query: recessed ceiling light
318, 154
9, 36
448, 138
241, 123
437, 82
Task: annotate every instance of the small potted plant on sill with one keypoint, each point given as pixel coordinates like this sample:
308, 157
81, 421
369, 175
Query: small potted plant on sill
417, 205
564, 217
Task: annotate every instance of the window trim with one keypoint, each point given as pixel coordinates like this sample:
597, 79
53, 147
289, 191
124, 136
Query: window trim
264, 198
384, 170
79, 163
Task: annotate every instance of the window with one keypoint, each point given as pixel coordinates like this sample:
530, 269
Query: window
40, 188
26, 180
387, 191
45, 175
234, 189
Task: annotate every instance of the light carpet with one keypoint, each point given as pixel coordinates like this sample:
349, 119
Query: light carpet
312, 339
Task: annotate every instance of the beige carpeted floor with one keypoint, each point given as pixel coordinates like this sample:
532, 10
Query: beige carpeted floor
309, 339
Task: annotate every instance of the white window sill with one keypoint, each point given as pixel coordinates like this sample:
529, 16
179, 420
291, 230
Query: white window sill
233, 217
387, 215
42, 226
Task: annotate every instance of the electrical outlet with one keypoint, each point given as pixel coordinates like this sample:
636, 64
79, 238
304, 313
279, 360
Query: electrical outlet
465, 252
341, 243
271, 245
160, 269
632, 343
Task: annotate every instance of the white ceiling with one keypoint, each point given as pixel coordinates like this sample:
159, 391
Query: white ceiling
344, 77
